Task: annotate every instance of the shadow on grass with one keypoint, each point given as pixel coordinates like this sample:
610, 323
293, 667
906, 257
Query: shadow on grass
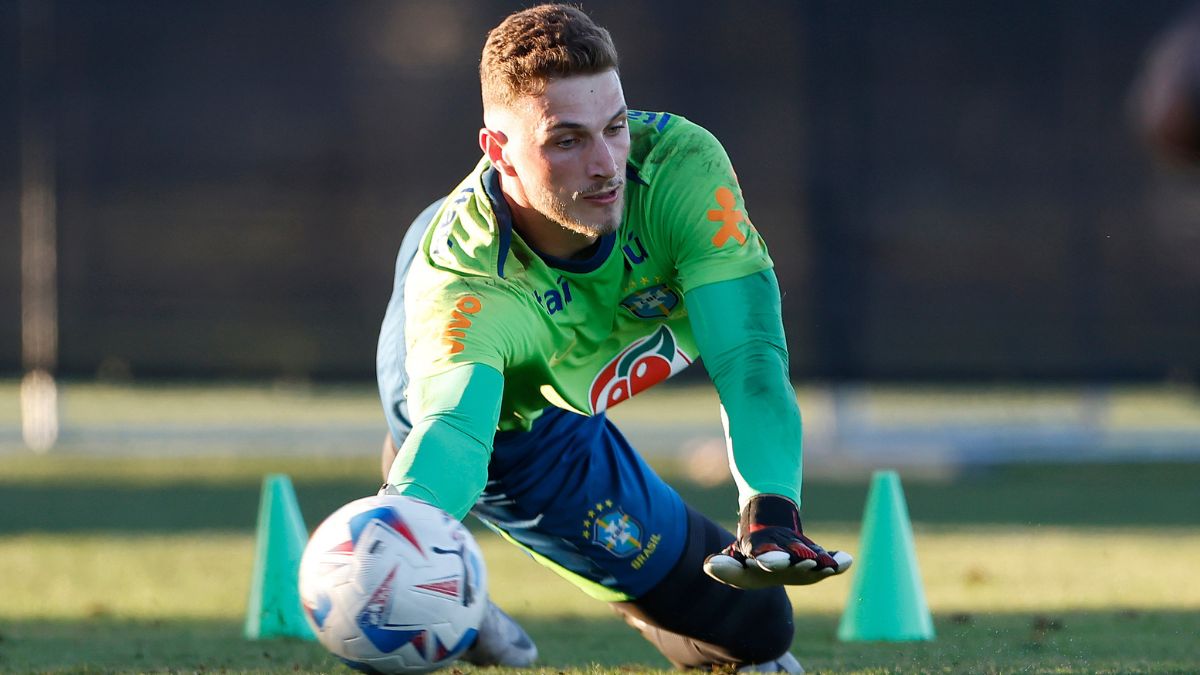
1073, 642
1101, 495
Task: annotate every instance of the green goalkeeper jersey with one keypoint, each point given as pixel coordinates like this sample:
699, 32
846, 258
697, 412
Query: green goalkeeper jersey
582, 334
494, 332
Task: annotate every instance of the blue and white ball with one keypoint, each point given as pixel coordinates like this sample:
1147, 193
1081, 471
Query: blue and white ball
391, 584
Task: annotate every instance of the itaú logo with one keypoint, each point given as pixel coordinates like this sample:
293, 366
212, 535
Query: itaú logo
641, 365
460, 321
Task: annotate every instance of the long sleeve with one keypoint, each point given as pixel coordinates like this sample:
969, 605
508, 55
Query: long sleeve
444, 459
739, 329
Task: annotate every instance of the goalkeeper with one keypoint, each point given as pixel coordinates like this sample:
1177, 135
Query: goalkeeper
593, 252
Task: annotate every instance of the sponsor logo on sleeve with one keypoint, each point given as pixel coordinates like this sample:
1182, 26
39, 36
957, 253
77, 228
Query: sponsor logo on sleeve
460, 320
729, 218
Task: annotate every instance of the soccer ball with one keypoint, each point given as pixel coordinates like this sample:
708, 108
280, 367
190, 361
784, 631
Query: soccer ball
391, 584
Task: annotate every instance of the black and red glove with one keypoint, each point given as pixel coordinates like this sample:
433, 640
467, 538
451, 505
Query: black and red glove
771, 549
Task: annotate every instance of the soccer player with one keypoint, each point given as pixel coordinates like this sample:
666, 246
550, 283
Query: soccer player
593, 252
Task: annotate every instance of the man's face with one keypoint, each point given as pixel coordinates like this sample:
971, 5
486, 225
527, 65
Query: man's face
568, 147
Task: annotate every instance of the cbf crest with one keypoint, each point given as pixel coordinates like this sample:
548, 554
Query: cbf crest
655, 302
613, 530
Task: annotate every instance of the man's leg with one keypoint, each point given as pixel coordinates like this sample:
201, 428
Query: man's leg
697, 622
574, 494
501, 642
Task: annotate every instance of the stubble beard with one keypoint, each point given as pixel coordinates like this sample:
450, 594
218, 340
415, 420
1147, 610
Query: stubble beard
559, 208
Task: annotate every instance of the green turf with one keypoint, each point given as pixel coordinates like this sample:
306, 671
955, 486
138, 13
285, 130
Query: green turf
123, 565
61, 493
1073, 642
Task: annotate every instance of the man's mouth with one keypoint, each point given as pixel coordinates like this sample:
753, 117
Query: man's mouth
602, 197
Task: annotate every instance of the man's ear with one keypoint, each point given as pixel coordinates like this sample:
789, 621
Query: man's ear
492, 143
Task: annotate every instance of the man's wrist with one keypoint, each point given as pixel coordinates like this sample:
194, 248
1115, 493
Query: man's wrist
769, 510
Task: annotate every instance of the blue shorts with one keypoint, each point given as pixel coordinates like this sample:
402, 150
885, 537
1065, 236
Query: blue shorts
574, 494
571, 491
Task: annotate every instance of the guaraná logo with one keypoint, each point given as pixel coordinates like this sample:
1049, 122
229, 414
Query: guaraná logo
641, 365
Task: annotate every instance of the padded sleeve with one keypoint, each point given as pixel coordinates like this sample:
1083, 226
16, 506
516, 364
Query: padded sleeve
739, 330
444, 459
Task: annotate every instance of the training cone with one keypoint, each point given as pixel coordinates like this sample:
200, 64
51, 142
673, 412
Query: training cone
887, 599
274, 608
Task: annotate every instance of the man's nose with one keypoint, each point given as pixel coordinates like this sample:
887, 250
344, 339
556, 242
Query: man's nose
602, 161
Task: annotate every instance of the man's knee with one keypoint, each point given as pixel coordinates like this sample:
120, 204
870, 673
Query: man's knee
768, 630
696, 621
746, 627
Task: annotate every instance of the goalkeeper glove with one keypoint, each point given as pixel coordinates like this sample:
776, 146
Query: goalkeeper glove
771, 549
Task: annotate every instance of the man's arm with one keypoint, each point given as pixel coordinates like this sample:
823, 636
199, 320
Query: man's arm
444, 459
739, 329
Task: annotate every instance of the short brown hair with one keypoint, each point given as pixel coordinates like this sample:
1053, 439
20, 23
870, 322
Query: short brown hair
538, 44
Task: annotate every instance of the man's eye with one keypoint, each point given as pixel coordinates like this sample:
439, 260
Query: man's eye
615, 129
567, 142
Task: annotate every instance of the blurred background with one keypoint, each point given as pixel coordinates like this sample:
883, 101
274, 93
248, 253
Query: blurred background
985, 218
955, 194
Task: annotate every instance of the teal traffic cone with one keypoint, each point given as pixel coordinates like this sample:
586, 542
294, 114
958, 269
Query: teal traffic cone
274, 609
887, 599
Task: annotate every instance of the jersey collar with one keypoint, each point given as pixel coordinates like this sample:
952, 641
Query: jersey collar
491, 185
504, 222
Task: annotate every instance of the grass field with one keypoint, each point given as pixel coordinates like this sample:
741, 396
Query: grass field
112, 564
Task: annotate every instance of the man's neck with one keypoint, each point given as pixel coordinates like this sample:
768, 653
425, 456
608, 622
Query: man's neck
547, 236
